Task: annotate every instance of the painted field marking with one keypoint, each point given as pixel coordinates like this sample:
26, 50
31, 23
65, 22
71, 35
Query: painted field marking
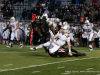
61, 67
89, 68
20, 51
2, 70
65, 73
35, 71
8, 65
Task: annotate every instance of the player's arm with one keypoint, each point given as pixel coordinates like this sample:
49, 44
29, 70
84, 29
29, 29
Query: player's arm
17, 27
69, 46
5, 28
51, 28
95, 29
39, 32
55, 38
56, 29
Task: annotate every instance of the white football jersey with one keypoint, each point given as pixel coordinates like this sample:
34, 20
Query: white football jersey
13, 25
88, 29
61, 40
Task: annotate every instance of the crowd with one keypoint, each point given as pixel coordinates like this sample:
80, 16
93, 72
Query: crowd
71, 12
65, 13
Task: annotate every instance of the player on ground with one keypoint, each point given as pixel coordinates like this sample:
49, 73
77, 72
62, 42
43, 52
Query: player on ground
58, 40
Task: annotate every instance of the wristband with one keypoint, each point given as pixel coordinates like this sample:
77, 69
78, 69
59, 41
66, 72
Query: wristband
69, 50
54, 40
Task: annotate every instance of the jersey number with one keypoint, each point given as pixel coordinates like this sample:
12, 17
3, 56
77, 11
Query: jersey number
88, 30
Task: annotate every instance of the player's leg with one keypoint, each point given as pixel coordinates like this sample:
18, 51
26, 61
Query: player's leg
11, 39
91, 37
47, 38
18, 37
47, 44
54, 48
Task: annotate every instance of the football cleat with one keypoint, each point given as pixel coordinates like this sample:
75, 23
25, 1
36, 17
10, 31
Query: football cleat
90, 48
9, 46
33, 48
21, 46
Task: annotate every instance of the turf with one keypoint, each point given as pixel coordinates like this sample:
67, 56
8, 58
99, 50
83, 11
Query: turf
23, 61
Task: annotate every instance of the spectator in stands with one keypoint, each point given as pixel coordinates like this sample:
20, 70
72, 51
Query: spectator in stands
40, 12
96, 16
83, 13
38, 6
24, 15
46, 11
43, 4
1, 6
25, 1
65, 9
35, 11
53, 15
64, 17
70, 18
10, 12
5, 12
60, 16
78, 17
68, 13
74, 7
29, 15
9, 4
57, 13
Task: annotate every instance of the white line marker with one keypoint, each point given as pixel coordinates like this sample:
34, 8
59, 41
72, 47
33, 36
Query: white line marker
8, 65
61, 67
35, 71
65, 73
43, 64
89, 68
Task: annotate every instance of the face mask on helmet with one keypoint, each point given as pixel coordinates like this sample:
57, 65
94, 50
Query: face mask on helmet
64, 29
45, 15
12, 19
87, 22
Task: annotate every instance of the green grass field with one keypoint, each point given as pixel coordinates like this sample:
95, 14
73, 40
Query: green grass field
23, 61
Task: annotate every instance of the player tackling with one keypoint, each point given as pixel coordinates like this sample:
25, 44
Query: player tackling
58, 40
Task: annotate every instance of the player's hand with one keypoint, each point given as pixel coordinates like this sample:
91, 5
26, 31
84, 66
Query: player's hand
70, 53
13, 30
55, 43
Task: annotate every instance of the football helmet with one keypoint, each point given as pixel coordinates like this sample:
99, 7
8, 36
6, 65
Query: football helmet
87, 22
12, 19
65, 28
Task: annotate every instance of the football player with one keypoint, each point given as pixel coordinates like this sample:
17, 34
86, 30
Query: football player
88, 30
58, 40
15, 31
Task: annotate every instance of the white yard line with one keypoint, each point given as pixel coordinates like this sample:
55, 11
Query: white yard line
8, 65
89, 68
2, 70
21, 51
61, 67
35, 71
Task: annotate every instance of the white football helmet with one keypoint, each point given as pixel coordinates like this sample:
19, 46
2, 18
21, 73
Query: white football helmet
45, 15
87, 22
65, 28
12, 19
65, 23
